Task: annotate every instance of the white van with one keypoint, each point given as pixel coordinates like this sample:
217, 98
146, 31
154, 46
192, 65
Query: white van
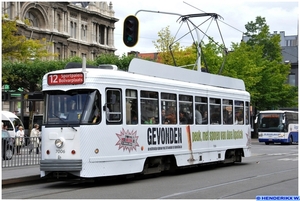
11, 120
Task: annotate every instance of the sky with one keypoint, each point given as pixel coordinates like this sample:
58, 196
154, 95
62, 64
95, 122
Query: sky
234, 15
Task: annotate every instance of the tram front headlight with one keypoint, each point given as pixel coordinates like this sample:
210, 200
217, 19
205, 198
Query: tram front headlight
59, 143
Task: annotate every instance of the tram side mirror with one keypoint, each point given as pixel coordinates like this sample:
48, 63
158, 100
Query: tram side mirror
104, 107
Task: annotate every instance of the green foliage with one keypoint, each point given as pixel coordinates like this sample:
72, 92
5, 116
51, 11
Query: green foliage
28, 75
17, 47
212, 57
165, 44
258, 62
121, 62
272, 90
258, 33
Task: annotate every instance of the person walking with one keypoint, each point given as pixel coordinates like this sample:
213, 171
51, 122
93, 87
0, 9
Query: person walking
34, 138
19, 139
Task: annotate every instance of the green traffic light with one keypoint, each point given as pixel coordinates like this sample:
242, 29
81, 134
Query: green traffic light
129, 38
130, 31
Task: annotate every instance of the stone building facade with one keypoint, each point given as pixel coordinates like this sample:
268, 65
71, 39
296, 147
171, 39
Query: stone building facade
75, 29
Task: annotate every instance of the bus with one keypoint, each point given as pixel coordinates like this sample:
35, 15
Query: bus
11, 121
277, 126
100, 121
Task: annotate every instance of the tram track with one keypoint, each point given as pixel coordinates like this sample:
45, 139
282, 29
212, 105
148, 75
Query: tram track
180, 194
266, 172
57, 189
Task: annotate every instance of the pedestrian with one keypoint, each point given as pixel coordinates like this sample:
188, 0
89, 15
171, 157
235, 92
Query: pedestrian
19, 139
35, 134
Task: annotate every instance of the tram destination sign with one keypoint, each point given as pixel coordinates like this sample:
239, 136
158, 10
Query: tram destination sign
65, 78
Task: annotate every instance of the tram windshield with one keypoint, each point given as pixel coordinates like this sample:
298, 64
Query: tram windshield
72, 107
270, 122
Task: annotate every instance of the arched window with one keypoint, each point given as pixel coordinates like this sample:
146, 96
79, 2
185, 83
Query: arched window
32, 18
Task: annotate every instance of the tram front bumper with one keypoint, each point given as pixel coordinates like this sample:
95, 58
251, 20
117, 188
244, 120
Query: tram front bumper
52, 165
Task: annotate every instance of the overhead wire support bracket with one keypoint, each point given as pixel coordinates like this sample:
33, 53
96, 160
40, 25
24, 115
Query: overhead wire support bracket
186, 18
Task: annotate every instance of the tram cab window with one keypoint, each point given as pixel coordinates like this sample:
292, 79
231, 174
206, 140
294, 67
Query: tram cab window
113, 106
96, 110
72, 107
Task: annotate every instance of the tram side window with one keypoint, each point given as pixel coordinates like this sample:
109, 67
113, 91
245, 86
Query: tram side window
114, 105
247, 111
169, 105
201, 110
149, 107
227, 111
239, 112
131, 106
186, 109
215, 110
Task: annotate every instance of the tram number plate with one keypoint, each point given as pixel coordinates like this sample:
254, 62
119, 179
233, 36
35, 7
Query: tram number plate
60, 151
65, 78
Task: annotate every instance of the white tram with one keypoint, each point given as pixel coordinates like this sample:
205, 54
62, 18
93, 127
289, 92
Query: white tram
100, 121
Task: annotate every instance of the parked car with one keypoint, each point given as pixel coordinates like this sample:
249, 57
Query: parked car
7, 146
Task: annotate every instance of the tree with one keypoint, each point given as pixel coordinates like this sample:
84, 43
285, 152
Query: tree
122, 62
258, 33
166, 44
272, 89
29, 75
258, 62
18, 47
187, 56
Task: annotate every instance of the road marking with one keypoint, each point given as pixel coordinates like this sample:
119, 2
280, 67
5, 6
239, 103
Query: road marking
288, 159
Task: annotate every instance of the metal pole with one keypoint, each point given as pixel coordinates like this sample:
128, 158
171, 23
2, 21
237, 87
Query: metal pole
198, 52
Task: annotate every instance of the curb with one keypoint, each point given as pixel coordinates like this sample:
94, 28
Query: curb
20, 180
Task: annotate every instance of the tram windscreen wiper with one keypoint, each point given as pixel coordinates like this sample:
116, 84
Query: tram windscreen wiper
65, 122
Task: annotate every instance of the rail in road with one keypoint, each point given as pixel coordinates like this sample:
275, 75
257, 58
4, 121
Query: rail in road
271, 170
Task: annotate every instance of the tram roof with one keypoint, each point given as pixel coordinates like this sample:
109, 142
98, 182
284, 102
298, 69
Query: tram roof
154, 69
149, 68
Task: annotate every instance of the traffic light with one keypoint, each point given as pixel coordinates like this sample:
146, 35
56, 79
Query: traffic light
131, 31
